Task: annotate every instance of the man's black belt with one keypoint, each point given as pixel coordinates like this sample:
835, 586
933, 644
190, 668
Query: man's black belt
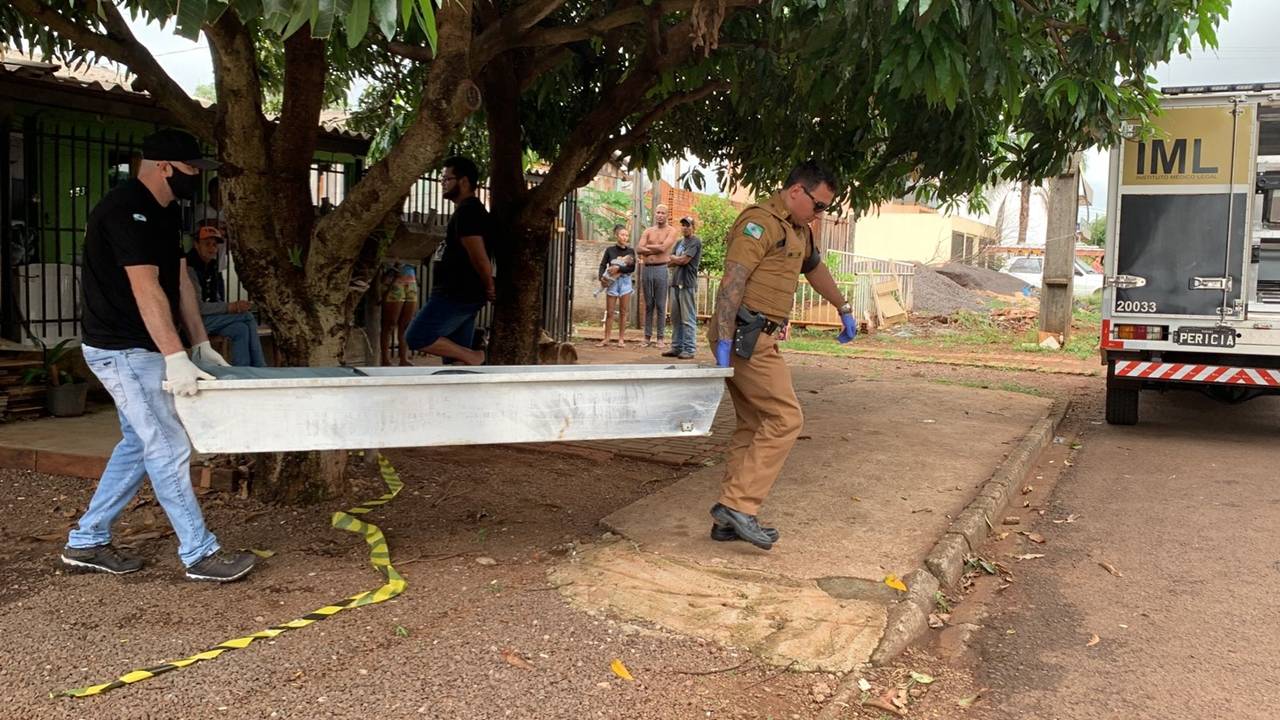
648, 264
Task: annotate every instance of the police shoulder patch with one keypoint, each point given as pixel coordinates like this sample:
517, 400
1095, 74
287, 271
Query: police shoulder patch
755, 230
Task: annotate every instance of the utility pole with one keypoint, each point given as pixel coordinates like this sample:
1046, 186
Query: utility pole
1060, 251
637, 228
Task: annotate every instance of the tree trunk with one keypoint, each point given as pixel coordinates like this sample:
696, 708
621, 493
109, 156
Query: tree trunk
1024, 212
517, 321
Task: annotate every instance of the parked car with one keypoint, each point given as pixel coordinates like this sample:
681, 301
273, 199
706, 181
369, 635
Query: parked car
1031, 270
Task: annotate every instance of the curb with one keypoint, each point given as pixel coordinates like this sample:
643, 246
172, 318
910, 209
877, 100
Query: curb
944, 565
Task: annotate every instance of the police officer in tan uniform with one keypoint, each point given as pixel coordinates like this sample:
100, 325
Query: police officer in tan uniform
769, 246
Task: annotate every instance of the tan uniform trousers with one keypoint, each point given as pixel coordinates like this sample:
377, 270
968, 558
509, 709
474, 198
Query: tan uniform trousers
769, 421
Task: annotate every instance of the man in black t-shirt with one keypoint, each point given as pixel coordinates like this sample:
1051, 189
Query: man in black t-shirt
445, 326
136, 292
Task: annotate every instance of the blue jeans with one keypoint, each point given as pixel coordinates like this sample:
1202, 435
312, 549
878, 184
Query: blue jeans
684, 318
242, 330
443, 317
154, 444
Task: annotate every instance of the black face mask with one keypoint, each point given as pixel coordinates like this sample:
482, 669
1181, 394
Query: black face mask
182, 185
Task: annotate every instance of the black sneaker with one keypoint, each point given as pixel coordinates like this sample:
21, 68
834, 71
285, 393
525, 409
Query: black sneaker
102, 558
222, 566
726, 533
671, 353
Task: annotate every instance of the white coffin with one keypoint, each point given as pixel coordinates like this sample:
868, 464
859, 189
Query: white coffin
251, 410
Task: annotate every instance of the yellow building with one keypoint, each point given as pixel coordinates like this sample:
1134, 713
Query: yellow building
918, 233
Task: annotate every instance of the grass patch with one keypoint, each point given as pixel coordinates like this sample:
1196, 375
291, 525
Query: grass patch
1007, 386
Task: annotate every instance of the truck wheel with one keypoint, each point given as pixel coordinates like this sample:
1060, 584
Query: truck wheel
1122, 406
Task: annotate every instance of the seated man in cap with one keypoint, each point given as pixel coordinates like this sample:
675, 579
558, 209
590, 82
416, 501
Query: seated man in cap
229, 319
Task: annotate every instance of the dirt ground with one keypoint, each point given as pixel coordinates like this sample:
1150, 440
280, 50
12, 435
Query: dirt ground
466, 640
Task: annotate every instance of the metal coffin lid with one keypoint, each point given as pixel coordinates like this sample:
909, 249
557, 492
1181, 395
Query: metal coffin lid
294, 409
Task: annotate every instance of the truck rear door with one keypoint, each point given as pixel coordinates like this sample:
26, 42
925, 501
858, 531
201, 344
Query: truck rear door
1183, 209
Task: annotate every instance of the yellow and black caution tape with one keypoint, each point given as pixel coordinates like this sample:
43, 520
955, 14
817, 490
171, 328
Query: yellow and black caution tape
379, 555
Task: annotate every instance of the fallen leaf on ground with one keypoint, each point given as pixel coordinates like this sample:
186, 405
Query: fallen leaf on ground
935, 622
264, 554
1068, 519
881, 703
514, 659
863, 685
1001, 536
1026, 489
969, 701
1111, 569
1029, 556
893, 582
486, 561
1093, 640
921, 678
1035, 537
49, 537
621, 670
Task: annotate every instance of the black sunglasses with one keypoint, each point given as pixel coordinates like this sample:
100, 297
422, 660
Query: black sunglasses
818, 206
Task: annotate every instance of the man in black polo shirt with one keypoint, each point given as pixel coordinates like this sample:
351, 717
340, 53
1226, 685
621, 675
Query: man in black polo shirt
136, 291
446, 324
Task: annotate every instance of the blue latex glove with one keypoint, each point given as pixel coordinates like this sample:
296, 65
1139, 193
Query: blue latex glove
724, 349
850, 329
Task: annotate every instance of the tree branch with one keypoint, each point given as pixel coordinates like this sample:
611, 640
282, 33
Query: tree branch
449, 97
504, 36
637, 132
583, 145
296, 133
119, 45
416, 53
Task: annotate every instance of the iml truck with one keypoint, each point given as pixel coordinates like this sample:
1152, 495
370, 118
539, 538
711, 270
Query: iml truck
1191, 293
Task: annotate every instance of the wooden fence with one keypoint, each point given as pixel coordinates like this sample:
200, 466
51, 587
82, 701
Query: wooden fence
812, 309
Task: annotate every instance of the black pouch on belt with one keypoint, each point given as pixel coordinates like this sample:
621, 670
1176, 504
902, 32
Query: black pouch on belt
747, 332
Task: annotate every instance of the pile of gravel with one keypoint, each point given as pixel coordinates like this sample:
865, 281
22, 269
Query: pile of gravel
980, 278
936, 294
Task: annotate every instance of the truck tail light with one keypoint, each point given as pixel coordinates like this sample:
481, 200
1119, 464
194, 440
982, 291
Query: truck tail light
1140, 332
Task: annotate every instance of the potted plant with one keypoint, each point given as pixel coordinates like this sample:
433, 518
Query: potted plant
66, 394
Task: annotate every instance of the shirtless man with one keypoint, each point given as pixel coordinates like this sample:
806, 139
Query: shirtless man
655, 250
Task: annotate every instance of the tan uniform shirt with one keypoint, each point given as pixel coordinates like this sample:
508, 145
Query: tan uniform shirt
773, 249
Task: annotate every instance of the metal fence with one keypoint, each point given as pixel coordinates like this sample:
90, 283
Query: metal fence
53, 172
51, 176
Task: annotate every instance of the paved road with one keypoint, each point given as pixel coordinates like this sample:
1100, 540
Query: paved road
1186, 506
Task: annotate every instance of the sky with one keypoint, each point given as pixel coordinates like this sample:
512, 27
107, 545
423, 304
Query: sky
1247, 52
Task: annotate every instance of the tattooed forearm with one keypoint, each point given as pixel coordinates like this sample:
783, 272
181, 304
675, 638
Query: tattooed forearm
729, 298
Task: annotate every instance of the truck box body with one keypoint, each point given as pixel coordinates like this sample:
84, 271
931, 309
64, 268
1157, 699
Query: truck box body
1191, 295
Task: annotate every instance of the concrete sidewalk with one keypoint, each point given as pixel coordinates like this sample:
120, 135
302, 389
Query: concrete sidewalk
881, 472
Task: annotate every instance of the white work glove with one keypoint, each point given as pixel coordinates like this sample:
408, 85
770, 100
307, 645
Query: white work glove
204, 354
182, 374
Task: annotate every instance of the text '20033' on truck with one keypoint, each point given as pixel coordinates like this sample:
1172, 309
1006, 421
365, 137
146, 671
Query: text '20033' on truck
1191, 294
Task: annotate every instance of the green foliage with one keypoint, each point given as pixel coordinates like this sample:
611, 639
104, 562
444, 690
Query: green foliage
52, 370
206, 92
604, 208
933, 99
715, 219
1097, 234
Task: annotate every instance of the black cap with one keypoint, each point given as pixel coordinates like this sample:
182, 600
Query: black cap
177, 146
686, 220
